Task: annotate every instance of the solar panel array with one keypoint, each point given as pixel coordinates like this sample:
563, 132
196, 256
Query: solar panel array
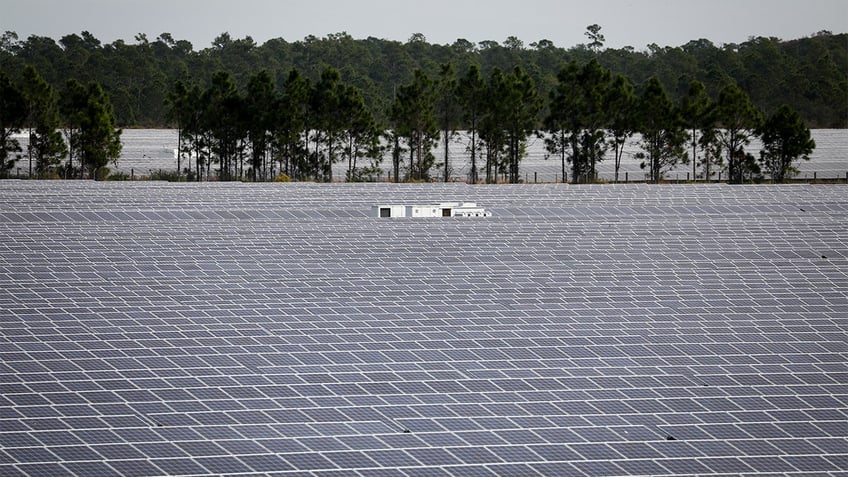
230, 329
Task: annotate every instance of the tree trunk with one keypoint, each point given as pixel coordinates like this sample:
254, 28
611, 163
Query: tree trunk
29, 151
488, 165
420, 149
447, 168
179, 149
694, 155
396, 158
592, 158
575, 161
562, 152
411, 174
617, 160
354, 152
473, 152
513, 166
350, 161
331, 158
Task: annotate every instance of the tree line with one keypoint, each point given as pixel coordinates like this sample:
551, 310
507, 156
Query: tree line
260, 127
808, 74
300, 131
69, 134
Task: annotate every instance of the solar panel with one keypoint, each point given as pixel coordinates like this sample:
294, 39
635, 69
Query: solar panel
211, 329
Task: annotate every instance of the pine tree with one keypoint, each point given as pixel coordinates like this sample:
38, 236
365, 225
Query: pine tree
12, 119
695, 109
620, 109
738, 119
259, 104
413, 114
786, 138
46, 145
447, 110
73, 104
662, 132
222, 119
520, 103
99, 140
290, 125
562, 123
472, 95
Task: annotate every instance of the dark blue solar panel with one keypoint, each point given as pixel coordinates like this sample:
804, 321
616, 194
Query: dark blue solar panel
134, 468
179, 466
49, 468
684, 466
309, 461
160, 449
94, 469
627, 330
223, 465
811, 463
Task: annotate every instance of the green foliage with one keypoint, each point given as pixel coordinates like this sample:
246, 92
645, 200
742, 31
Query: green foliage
360, 134
222, 124
447, 110
808, 74
166, 175
303, 130
324, 103
73, 104
492, 132
100, 140
250, 112
593, 32
186, 107
659, 122
13, 114
712, 159
696, 111
101, 173
413, 118
737, 119
515, 105
89, 123
46, 147
563, 123
259, 108
621, 103
288, 145
785, 139
118, 177
471, 96
180, 112
583, 107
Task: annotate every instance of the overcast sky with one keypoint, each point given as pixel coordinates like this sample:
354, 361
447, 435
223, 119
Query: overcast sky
624, 23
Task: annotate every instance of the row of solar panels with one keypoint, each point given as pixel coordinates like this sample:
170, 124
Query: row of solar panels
146, 330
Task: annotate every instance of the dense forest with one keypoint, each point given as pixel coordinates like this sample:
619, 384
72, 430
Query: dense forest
295, 110
810, 75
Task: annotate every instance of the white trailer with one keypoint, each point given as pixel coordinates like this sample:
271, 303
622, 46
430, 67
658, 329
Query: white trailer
444, 209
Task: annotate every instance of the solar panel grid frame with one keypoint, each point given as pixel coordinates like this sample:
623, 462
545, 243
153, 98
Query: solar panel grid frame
514, 319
